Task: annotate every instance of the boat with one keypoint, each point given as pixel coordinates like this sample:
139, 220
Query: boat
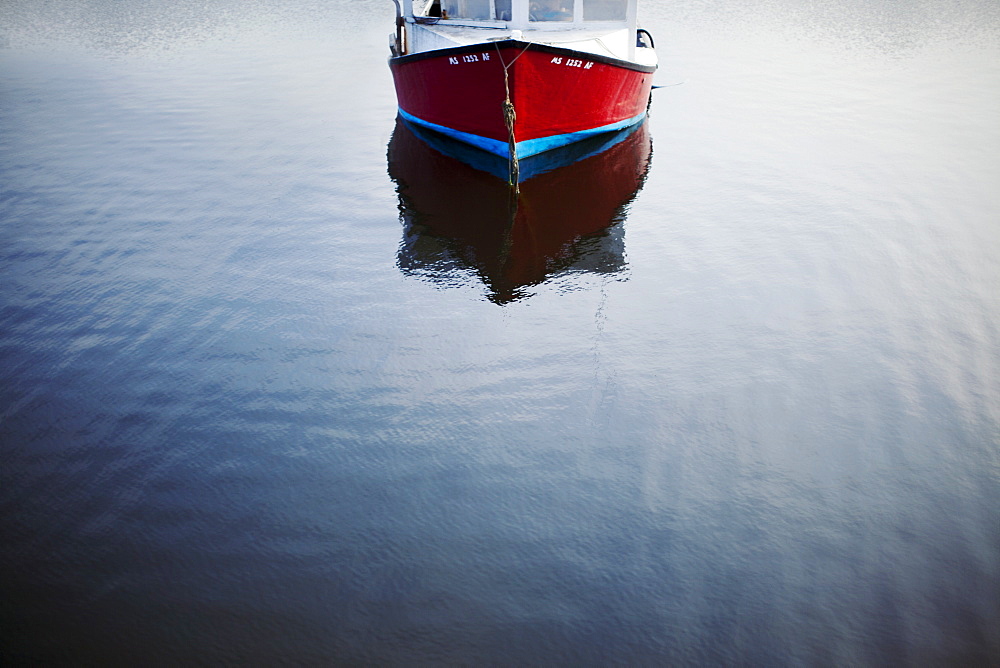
517, 78
462, 221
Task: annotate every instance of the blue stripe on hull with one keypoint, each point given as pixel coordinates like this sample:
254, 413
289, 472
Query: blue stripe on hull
524, 149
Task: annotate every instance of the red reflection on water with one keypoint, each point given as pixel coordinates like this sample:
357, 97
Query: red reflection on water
559, 220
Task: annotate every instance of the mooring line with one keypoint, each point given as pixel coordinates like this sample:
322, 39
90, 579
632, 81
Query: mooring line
509, 118
513, 166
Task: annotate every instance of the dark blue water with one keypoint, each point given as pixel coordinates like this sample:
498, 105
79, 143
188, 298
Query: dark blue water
264, 399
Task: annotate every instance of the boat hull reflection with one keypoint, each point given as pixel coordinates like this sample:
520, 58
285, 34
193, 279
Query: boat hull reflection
461, 218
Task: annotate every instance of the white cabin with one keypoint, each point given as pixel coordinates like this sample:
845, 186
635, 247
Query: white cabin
603, 27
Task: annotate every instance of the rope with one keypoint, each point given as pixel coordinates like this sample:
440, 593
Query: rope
513, 168
598, 40
509, 119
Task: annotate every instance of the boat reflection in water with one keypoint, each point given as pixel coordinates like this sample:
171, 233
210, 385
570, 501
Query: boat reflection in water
461, 217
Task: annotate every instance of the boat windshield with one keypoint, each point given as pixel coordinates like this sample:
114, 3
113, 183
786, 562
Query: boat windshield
604, 10
551, 10
538, 10
478, 10
563, 10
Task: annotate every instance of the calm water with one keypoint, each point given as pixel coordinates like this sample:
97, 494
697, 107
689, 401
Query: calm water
731, 397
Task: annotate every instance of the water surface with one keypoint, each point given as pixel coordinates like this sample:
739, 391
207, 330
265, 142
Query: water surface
257, 407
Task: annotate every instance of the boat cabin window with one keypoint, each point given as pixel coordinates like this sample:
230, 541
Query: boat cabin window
604, 10
543, 11
563, 10
477, 10
550, 10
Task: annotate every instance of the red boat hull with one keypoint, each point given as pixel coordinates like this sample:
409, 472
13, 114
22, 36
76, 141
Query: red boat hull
559, 95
